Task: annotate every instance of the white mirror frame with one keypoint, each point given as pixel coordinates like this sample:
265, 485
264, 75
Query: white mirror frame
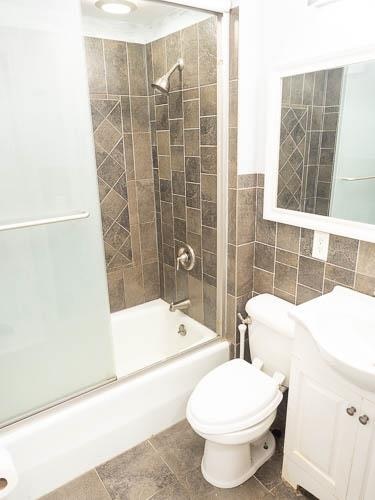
350, 229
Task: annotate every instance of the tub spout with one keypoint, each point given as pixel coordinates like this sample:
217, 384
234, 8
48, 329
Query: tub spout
179, 305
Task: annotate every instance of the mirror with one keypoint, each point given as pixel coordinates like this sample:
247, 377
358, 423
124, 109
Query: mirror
326, 160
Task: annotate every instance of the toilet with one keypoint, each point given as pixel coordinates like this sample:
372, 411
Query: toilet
234, 405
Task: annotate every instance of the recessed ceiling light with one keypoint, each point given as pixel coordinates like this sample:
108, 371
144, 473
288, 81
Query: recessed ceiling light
320, 3
116, 7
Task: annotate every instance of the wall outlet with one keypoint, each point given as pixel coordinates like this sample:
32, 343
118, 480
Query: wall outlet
320, 245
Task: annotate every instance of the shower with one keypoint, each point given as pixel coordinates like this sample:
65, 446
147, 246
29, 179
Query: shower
162, 84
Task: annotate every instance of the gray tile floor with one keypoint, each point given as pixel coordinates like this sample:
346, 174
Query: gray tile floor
167, 467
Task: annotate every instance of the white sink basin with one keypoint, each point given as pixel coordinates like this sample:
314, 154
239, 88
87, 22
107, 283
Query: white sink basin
342, 323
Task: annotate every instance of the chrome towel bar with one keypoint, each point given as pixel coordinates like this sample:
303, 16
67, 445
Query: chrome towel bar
42, 222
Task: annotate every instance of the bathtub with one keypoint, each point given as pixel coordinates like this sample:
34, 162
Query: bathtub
147, 334
59, 444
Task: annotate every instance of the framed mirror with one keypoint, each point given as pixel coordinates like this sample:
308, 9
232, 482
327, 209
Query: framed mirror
321, 146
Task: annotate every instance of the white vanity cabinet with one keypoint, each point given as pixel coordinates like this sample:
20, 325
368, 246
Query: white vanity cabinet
321, 435
362, 477
330, 432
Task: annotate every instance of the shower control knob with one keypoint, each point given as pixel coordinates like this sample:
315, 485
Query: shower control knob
363, 419
185, 258
351, 410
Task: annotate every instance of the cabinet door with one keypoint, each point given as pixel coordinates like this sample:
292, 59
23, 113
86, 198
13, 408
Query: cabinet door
362, 478
320, 434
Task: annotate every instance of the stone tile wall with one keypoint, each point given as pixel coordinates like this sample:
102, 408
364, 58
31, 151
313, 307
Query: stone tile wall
121, 127
281, 262
241, 207
184, 151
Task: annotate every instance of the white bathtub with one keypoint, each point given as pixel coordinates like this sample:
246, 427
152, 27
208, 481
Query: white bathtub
62, 443
146, 334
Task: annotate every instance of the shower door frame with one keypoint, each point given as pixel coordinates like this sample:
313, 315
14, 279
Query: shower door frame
222, 12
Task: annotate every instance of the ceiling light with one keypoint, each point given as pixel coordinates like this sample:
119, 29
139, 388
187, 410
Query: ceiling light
320, 3
116, 7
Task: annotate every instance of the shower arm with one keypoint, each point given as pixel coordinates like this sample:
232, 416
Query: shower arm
179, 64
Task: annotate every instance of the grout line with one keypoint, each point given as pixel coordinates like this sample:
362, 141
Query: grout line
105, 68
101, 481
135, 183
264, 486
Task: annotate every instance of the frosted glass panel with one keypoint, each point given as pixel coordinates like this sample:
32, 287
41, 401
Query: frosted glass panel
54, 317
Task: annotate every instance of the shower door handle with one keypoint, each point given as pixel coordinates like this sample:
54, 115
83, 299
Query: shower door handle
366, 178
43, 222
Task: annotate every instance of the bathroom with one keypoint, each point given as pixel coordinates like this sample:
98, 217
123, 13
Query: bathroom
188, 256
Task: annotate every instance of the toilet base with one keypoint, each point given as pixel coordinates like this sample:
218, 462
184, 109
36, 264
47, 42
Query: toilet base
228, 466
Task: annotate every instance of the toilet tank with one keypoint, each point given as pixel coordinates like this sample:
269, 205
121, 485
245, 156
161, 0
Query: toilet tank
271, 333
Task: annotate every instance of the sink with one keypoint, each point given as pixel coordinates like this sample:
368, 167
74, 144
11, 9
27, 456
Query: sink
342, 323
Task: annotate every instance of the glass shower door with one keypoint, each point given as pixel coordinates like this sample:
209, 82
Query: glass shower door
55, 336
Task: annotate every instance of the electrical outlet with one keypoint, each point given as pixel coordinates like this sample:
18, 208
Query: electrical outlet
320, 245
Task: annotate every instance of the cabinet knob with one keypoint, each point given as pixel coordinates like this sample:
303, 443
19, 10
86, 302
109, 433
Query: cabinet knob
351, 410
363, 419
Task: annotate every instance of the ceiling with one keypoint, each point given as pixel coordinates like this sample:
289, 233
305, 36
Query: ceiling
150, 21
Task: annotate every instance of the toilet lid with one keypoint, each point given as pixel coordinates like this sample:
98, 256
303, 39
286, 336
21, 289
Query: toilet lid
232, 397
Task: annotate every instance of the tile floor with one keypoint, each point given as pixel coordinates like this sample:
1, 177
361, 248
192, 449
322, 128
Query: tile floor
167, 467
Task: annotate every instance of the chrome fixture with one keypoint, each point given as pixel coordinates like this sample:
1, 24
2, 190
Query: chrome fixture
185, 258
162, 84
351, 410
182, 330
179, 305
363, 419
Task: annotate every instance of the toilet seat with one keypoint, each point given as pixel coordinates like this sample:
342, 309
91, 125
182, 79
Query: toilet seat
232, 397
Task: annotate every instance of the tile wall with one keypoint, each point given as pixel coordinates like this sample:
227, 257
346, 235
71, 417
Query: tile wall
241, 207
122, 137
184, 152
280, 259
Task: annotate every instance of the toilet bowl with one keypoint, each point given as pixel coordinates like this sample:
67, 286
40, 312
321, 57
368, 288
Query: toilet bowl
234, 406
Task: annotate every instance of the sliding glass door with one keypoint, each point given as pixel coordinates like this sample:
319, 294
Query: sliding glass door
54, 316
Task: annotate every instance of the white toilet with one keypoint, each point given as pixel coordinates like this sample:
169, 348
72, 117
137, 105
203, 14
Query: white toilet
234, 405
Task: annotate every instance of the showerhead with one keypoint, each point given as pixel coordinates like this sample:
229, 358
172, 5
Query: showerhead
162, 84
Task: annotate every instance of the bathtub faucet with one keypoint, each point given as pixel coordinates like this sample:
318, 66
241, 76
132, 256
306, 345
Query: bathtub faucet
179, 305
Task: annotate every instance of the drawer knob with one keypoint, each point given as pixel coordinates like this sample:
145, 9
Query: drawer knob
363, 419
351, 410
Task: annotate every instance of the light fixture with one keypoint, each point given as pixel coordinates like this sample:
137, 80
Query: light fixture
320, 3
116, 7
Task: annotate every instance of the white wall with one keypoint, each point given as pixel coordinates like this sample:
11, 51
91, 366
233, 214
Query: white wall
277, 32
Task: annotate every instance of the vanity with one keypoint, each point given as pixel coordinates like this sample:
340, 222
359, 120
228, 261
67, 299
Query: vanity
330, 432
